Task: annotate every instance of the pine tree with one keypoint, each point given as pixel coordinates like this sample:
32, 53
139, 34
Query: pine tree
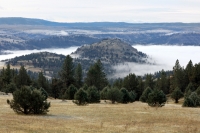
156, 98
80, 98
114, 95
67, 72
126, 97
78, 76
96, 76
144, 96
130, 82
29, 100
93, 95
43, 82
70, 92
176, 94
178, 77
23, 78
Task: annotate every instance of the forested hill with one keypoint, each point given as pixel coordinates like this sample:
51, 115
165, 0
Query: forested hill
49, 63
111, 51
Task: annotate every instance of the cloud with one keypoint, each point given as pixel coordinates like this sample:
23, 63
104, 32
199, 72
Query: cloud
164, 57
104, 10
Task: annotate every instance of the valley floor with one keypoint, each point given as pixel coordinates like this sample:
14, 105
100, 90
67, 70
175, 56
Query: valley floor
64, 116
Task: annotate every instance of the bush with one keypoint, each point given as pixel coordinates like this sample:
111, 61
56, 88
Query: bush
29, 101
114, 95
144, 96
10, 88
93, 95
176, 94
70, 92
156, 98
193, 100
80, 98
133, 96
125, 96
104, 93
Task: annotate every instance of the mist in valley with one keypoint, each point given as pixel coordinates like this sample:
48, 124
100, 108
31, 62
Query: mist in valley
162, 57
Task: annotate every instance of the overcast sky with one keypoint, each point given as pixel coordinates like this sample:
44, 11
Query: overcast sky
104, 10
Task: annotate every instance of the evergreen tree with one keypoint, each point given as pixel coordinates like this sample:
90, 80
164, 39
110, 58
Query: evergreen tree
190, 87
133, 96
23, 78
7, 75
56, 86
78, 76
80, 97
43, 82
163, 82
176, 94
67, 72
188, 72
192, 100
198, 91
29, 100
104, 93
125, 96
96, 76
130, 82
156, 98
114, 95
178, 77
145, 94
148, 81
93, 95
70, 92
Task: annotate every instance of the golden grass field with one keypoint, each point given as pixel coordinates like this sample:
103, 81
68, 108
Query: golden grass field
66, 117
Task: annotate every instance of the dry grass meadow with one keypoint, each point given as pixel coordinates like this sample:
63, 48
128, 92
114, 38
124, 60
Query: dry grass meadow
66, 117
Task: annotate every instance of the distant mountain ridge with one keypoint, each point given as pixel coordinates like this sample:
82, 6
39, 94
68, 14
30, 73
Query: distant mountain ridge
34, 21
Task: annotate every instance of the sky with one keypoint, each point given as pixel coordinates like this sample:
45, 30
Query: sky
132, 11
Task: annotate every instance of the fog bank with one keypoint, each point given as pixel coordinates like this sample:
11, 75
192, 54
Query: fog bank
163, 56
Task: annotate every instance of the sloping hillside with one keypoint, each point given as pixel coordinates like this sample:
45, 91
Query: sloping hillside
111, 51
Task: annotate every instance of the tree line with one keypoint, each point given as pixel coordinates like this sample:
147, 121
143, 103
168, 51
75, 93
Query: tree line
182, 82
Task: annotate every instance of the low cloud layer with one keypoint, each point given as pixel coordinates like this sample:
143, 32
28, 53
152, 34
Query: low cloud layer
164, 57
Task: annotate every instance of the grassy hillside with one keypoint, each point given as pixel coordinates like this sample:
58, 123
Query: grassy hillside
64, 116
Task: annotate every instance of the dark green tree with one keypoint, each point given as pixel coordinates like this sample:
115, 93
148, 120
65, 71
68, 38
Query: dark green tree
133, 96
176, 94
192, 100
114, 95
43, 82
29, 101
190, 87
156, 98
130, 82
81, 97
67, 72
78, 76
144, 96
93, 95
70, 92
104, 93
23, 78
148, 81
178, 77
96, 76
125, 96
163, 82
198, 91
56, 85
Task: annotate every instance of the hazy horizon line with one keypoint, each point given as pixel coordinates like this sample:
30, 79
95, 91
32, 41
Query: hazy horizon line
136, 22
